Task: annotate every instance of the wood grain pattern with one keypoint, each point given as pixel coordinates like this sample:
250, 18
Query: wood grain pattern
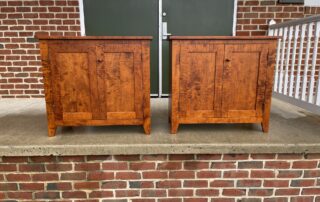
96, 82
221, 80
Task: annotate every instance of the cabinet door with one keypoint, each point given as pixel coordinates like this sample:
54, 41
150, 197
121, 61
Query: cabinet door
73, 72
200, 73
120, 80
244, 79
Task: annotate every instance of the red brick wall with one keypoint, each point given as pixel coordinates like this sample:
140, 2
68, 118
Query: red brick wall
20, 74
19, 55
254, 15
272, 177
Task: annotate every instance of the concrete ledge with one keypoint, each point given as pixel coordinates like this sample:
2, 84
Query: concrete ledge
23, 133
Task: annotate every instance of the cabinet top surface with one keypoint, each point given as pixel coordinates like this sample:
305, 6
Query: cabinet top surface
46, 37
223, 37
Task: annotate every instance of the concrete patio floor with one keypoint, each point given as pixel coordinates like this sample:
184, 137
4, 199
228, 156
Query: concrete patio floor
23, 132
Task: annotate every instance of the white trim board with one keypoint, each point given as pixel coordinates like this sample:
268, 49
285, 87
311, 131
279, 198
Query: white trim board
81, 12
235, 12
311, 2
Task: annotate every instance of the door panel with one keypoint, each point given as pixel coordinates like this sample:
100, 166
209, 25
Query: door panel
199, 66
244, 76
122, 89
125, 18
194, 18
74, 68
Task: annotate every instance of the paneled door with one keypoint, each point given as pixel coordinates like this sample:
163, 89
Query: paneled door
75, 93
200, 78
120, 81
244, 77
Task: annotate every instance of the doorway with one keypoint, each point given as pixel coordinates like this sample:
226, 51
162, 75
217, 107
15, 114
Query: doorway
158, 18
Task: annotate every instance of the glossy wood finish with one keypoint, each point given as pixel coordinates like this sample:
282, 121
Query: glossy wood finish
221, 80
96, 81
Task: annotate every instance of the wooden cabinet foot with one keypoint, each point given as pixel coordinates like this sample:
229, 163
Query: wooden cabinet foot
147, 127
265, 126
52, 131
174, 127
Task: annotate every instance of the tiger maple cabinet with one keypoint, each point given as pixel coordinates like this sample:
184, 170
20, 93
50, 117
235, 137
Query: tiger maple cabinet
96, 81
221, 80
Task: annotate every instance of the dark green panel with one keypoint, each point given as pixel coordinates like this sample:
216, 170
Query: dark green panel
125, 18
195, 18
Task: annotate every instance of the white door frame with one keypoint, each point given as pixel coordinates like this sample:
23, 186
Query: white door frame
160, 94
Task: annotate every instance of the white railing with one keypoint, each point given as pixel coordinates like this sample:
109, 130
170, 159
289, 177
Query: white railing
297, 69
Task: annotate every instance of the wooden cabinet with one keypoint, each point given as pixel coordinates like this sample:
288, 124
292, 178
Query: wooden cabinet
96, 81
221, 80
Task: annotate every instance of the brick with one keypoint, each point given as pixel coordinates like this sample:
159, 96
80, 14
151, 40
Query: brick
127, 193
302, 199
156, 157
223, 165
168, 184
86, 185
114, 185
14, 159
262, 174
100, 194
153, 193
71, 158
181, 174
208, 174
47, 195
58, 167
19, 195
180, 192
8, 186
276, 183
142, 166
8, 167
155, 175
169, 166
31, 168
276, 199
234, 192
250, 164
277, 165
260, 192
287, 192
222, 183
249, 183
208, 156
74, 194
18, 177
128, 175
223, 199
195, 183
181, 157
141, 184
311, 173
289, 174
195, 200
304, 164
98, 157
127, 157
207, 192
87, 166
59, 186
73, 176
195, 165
303, 183
311, 191
45, 177
100, 176
115, 166
290, 156
235, 174
235, 156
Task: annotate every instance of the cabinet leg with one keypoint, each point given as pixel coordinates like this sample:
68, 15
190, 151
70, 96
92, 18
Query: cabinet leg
265, 126
174, 127
147, 126
52, 131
